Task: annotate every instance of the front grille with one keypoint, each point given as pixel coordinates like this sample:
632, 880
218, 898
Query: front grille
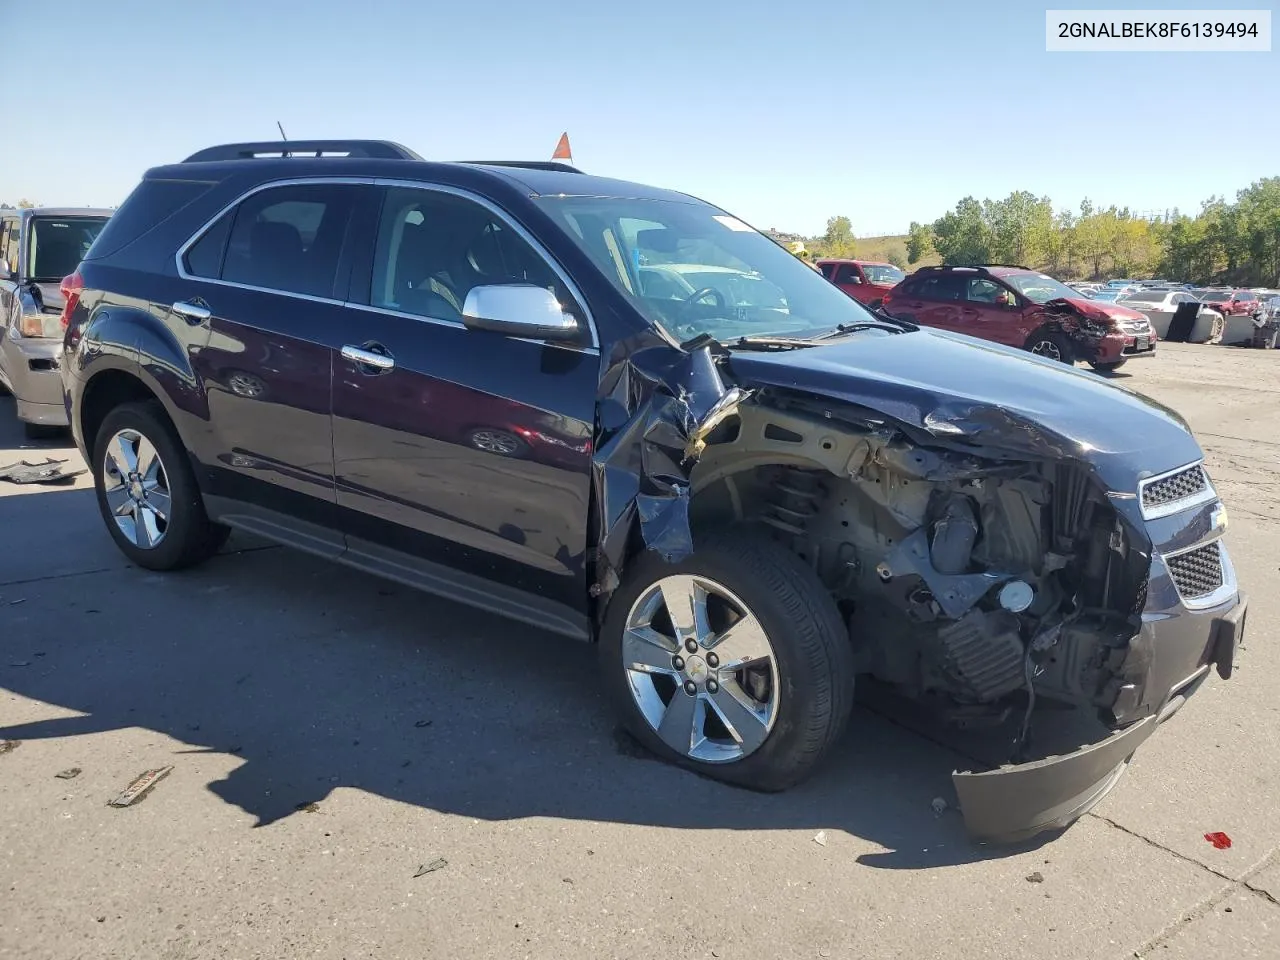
1177, 486
1198, 572
1136, 326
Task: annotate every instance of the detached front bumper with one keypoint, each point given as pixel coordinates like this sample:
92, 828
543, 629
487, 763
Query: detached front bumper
1166, 662
31, 367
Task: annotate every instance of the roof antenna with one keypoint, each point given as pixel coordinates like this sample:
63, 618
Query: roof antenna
281, 129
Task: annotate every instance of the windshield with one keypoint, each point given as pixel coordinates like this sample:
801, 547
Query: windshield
692, 269
1039, 288
1149, 296
882, 274
58, 245
1216, 296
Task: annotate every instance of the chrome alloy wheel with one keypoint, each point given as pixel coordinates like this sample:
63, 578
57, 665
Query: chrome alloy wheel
701, 669
136, 488
1047, 349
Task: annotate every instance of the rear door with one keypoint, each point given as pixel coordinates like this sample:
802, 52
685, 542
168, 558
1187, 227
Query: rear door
462, 447
263, 282
933, 300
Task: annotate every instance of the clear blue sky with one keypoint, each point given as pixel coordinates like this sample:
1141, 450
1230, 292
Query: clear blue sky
784, 113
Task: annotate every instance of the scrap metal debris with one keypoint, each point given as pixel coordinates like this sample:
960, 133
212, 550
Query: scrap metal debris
49, 471
1219, 840
437, 864
821, 838
140, 787
68, 774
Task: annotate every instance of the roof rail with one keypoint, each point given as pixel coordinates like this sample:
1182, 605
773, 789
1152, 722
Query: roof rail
368, 149
1009, 266
527, 165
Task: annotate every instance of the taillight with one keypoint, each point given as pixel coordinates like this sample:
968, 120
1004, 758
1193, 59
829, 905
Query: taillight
70, 288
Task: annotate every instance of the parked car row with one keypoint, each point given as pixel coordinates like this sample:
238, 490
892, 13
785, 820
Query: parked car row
1014, 306
761, 489
38, 247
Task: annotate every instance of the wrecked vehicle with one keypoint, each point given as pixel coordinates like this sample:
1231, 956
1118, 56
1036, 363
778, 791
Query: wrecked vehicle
1023, 308
755, 503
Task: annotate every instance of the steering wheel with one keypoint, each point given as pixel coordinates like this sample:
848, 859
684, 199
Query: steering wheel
699, 295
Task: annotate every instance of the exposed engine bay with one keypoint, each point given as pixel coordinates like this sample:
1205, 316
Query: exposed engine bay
962, 579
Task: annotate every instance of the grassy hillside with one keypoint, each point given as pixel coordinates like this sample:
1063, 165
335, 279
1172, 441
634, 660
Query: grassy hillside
879, 248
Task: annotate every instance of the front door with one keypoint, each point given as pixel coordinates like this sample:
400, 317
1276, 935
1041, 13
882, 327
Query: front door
463, 447
990, 312
262, 281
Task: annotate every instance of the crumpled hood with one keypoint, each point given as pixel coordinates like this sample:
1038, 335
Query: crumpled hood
973, 392
1100, 310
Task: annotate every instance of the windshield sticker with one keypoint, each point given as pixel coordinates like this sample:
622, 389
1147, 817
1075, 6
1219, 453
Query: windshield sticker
733, 223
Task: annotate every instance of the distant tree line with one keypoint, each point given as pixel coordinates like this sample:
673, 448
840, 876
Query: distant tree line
1226, 242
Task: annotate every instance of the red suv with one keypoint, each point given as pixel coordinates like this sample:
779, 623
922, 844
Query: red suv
1233, 303
863, 280
1020, 307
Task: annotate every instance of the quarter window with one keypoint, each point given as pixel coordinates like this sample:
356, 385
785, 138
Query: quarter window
285, 238
434, 247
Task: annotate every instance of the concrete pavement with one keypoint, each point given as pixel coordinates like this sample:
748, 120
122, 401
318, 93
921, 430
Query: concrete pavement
330, 734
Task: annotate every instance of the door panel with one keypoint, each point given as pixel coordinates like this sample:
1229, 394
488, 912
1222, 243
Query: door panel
266, 273
933, 302
474, 449
981, 315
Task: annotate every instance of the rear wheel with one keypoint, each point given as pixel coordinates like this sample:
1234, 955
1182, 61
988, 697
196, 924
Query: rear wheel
1052, 345
147, 492
734, 662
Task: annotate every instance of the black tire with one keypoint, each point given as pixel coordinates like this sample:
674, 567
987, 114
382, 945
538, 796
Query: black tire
1046, 342
1107, 367
809, 639
41, 431
189, 536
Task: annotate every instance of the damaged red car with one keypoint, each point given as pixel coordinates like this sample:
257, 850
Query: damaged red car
755, 501
1023, 308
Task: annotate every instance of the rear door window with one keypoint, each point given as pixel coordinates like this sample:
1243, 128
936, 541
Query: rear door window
847, 273
286, 238
947, 287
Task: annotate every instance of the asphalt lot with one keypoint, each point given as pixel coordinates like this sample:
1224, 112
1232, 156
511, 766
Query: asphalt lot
331, 734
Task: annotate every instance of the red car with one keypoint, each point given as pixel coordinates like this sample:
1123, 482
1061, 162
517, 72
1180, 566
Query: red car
1233, 303
1022, 308
865, 281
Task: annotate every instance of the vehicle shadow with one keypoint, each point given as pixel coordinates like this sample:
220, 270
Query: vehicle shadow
317, 677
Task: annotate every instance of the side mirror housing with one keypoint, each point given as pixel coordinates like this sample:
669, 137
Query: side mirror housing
519, 310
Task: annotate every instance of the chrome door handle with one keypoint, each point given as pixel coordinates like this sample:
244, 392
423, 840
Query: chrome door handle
194, 312
368, 358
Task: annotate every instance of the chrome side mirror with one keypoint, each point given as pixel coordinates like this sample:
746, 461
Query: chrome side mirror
519, 310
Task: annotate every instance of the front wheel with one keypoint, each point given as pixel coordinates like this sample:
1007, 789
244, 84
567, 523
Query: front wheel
1052, 345
734, 662
147, 492
1107, 367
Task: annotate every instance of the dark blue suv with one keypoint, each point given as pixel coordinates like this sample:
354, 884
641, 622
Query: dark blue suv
622, 414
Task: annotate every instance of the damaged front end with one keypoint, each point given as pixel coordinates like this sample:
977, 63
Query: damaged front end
989, 564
